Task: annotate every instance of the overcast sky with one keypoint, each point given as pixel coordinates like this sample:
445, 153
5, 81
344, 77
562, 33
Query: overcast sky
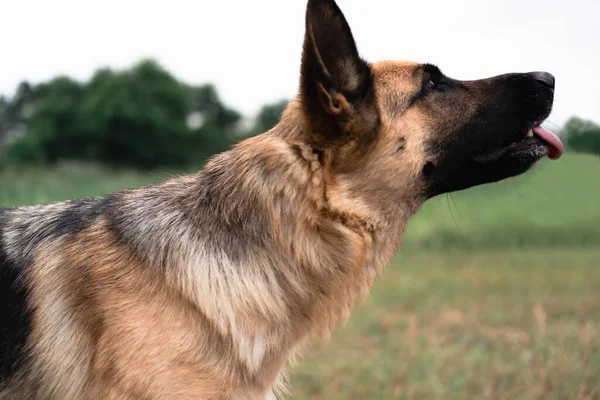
251, 48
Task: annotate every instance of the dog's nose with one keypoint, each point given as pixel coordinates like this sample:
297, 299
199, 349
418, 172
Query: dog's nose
545, 78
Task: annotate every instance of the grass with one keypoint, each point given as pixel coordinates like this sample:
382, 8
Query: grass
472, 325
495, 294
68, 181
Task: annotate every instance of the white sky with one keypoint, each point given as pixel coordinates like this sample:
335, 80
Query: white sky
251, 48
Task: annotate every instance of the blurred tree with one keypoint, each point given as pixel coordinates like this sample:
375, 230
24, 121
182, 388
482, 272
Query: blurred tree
136, 117
582, 136
54, 123
213, 123
50, 114
587, 141
576, 125
141, 117
270, 115
15, 112
3, 120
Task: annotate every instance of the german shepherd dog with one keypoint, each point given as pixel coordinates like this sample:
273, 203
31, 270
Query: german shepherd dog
203, 287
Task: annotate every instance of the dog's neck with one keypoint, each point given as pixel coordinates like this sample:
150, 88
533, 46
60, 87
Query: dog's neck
351, 204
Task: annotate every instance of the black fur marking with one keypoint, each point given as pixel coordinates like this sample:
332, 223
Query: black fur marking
78, 216
72, 219
298, 151
242, 228
15, 324
116, 221
441, 83
320, 154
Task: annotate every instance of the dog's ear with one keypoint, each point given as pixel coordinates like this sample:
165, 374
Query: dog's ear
336, 84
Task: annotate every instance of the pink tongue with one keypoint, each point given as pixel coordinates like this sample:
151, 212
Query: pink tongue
556, 147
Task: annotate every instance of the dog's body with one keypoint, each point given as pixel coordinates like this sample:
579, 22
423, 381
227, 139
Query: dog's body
203, 287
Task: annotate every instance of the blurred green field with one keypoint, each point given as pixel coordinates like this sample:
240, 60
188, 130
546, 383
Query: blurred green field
521, 324
495, 294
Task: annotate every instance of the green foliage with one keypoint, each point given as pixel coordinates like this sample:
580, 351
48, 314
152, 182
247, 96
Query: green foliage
269, 116
136, 117
4, 104
14, 114
575, 125
587, 141
216, 122
3, 130
582, 136
54, 128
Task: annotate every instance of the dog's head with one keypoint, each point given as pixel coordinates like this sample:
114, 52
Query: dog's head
405, 129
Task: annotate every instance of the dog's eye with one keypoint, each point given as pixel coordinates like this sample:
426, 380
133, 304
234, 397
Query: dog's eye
431, 84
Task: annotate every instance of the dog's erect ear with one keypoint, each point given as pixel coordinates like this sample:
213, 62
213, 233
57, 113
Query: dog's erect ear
336, 86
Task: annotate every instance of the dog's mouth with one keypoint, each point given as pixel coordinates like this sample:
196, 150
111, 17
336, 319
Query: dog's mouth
503, 138
553, 143
516, 155
536, 143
